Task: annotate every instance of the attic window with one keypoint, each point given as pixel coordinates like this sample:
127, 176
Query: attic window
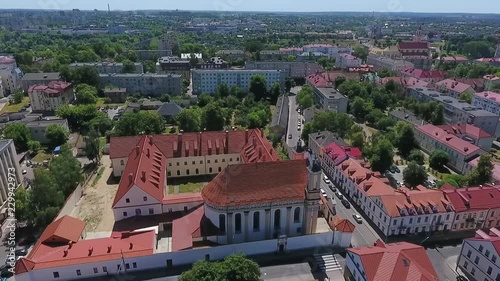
405, 262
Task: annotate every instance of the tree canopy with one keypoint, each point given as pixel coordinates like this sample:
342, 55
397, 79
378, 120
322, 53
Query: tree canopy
57, 135
85, 94
414, 174
258, 87
234, 268
189, 120
438, 159
305, 97
140, 123
20, 134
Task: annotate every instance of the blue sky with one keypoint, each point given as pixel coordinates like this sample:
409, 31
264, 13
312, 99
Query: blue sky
469, 6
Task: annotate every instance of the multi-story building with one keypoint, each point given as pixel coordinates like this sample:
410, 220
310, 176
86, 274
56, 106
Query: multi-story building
381, 62
319, 140
460, 151
30, 79
38, 128
231, 54
454, 59
146, 84
458, 111
207, 80
345, 61
398, 261
479, 255
271, 55
212, 63
475, 207
330, 51
10, 75
169, 43
109, 67
491, 82
2, 90
291, 69
325, 95
489, 101
49, 97
116, 95
431, 76
470, 133
404, 82
454, 88
417, 53
293, 51
407, 116
10, 172
175, 65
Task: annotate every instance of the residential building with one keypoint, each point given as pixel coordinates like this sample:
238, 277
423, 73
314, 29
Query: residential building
146, 84
381, 62
291, 69
10, 75
392, 262
454, 88
271, 55
479, 255
460, 151
213, 63
475, 207
2, 90
477, 84
47, 98
490, 61
207, 80
454, 59
311, 56
406, 116
293, 51
345, 61
151, 105
325, 95
231, 54
416, 52
116, 95
10, 173
38, 128
109, 67
317, 141
333, 154
405, 82
458, 111
495, 177
279, 123
175, 65
431, 76
30, 79
309, 113
470, 133
489, 101
491, 82
169, 43
331, 76
169, 110
331, 51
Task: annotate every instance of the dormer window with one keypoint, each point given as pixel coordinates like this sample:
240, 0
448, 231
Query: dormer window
403, 212
412, 211
420, 210
434, 208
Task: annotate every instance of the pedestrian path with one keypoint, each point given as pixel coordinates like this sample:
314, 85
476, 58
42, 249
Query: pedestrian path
327, 263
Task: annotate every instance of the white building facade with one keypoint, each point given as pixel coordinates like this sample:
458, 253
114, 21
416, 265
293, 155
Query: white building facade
10, 172
10, 75
479, 256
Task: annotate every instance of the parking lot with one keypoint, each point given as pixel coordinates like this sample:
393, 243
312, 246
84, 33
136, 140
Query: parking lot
396, 177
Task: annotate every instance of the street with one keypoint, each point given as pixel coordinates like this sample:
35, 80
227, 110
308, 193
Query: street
293, 119
364, 235
444, 260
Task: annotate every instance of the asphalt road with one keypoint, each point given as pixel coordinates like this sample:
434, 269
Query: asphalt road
293, 118
444, 260
364, 235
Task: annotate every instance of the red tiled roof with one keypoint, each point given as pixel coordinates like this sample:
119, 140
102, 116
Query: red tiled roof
424, 74
467, 129
145, 169
258, 183
395, 262
462, 146
258, 149
472, 198
331, 76
340, 153
318, 46
419, 197
63, 230
54, 87
493, 96
413, 45
317, 80
453, 85
4, 59
193, 225
488, 60
406, 82
367, 181
183, 198
454, 59
126, 245
492, 237
476, 83
345, 225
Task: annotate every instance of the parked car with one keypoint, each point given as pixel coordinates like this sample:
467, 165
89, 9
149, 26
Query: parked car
346, 203
323, 192
327, 180
24, 172
397, 169
339, 195
357, 218
289, 136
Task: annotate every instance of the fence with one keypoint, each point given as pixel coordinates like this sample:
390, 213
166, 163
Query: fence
74, 197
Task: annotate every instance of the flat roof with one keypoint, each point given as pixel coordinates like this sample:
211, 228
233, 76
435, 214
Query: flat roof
41, 76
331, 93
137, 75
45, 123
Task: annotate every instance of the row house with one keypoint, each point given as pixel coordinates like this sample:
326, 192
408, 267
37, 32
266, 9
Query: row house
479, 256
454, 88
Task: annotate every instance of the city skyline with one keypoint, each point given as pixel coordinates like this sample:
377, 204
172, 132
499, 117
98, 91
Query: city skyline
424, 6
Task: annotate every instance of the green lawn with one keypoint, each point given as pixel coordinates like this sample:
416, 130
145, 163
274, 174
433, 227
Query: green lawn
41, 156
101, 103
15, 107
98, 176
193, 187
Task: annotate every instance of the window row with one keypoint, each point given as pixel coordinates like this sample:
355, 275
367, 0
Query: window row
256, 220
96, 270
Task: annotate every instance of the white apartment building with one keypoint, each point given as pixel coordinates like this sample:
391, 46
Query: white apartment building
380, 62
207, 80
347, 61
295, 69
489, 101
479, 256
329, 50
9, 170
146, 84
109, 67
50, 97
330, 99
10, 75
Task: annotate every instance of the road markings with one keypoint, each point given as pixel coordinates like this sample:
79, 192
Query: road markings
327, 262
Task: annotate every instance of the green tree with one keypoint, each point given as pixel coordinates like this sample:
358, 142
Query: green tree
289, 84
237, 92
66, 170
438, 159
275, 92
17, 96
222, 90
213, 117
382, 155
235, 267
23, 205
204, 99
128, 67
483, 172
466, 97
92, 147
291, 58
45, 196
87, 75
405, 140
414, 174
189, 120
416, 156
258, 86
86, 94
358, 140
339, 80
100, 123
361, 52
360, 108
20, 134
305, 97
34, 146
165, 98
140, 123
56, 134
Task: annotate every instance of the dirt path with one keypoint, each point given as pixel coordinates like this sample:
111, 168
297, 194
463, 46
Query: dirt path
95, 206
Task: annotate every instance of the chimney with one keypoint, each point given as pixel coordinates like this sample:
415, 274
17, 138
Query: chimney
226, 145
130, 177
65, 252
368, 175
150, 140
70, 244
91, 249
254, 141
143, 176
109, 249
179, 144
147, 152
137, 150
131, 246
246, 136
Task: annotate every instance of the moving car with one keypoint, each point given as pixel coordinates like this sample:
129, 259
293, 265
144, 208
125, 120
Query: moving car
357, 218
346, 204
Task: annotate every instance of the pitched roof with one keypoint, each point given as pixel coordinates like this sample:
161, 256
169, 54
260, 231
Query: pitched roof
145, 169
280, 116
405, 81
182, 198
462, 146
467, 129
453, 85
64, 229
472, 198
454, 59
496, 168
369, 182
413, 45
169, 109
493, 96
395, 262
193, 225
424, 74
340, 153
345, 225
258, 183
317, 80
405, 198
331, 76
54, 87
493, 237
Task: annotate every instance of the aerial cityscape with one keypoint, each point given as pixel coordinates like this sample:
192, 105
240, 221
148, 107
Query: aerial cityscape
233, 140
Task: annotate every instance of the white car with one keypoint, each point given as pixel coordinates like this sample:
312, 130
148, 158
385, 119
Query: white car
357, 218
327, 180
24, 172
323, 192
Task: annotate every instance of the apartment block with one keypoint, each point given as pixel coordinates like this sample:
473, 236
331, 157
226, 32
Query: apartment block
146, 84
345, 61
30, 79
479, 256
47, 98
380, 62
109, 67
10, 75
489, 101
207, 80
291, 69
458, 111
38, 128
325, 95
10, 172
454, 88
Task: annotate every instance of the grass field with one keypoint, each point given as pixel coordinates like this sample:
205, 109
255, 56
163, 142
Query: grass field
101, 103
187, 188
15, 107
41, 156
98, 176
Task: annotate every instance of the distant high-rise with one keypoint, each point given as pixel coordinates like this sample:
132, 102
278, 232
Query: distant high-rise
169, 43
